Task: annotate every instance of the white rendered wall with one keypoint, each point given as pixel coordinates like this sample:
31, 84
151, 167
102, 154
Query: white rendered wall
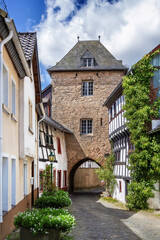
61, 158
27, 138
120, 196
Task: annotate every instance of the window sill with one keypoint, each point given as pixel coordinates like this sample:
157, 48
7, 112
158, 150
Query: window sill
13, 117
87, 95
5, 109
86, 135
30, 130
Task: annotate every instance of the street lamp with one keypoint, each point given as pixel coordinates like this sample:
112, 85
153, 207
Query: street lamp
52, 160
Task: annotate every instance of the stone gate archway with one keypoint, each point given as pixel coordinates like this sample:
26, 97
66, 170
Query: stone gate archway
73, 170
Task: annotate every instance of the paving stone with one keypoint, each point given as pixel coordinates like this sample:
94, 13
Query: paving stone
95, 221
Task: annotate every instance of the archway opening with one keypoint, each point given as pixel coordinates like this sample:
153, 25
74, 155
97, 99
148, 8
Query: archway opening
84, 171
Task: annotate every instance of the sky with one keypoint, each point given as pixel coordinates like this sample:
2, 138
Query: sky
128, 28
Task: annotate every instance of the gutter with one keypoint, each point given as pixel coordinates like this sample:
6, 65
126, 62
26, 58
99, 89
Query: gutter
4, 41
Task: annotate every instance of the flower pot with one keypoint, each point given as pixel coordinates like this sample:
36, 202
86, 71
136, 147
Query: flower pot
53, 234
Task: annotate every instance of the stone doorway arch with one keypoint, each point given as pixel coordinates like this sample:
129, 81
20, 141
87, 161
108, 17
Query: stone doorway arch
73, 170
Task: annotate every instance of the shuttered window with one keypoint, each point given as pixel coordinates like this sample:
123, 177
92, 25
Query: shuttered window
59, 146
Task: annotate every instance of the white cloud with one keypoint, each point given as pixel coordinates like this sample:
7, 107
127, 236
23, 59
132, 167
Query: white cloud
128, 29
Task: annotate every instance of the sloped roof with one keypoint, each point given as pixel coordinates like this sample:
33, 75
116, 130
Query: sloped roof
73, 59
4, 32
28, 41
55, 124
114, 95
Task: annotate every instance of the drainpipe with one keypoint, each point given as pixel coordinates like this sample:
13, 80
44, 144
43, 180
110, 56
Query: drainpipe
2, 43
43, 116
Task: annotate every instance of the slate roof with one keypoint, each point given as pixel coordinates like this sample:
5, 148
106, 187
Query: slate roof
28, 41
4, 32
73, 59
55, 124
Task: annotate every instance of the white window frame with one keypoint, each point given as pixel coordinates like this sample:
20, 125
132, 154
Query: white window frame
87, 131
30, 115
13, 181
88, 62
6, 68
5, 183
86, 88
13, 111
25, 177
35, 175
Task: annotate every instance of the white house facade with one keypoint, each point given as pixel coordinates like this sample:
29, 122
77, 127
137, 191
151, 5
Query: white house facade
18, 145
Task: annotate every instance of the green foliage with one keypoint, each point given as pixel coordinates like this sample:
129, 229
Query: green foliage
106, 173
141, 106
39, 220
54, 199
139, 194
46, 176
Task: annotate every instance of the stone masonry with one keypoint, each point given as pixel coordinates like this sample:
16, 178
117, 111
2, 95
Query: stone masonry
69, 106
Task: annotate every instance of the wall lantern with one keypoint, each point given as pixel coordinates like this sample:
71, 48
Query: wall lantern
52, 159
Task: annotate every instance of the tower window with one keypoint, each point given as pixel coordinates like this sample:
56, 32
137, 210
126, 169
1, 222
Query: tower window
86, 126
87, 88
88, 62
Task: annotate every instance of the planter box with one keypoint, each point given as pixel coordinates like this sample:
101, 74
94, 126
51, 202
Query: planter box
25, 234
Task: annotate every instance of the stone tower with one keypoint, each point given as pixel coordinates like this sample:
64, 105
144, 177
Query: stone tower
82, 80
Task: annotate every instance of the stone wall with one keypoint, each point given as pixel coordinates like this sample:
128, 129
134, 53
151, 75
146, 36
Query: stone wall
86, 178
69, 106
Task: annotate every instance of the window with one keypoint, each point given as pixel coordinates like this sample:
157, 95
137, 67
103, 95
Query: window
30, 115
13, 110
5, 187
59, 179
13, 182
35, 176
48, 138
87, 88
88, 62
64, 178
117, 154
156, 77
5, 86
114, 109
86, 126
120, 186
59, 146
25, 179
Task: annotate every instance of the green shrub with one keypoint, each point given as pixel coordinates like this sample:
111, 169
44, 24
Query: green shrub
56, 199
138, 195
39, 220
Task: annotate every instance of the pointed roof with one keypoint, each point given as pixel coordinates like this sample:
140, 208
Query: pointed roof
73, 59
28, 41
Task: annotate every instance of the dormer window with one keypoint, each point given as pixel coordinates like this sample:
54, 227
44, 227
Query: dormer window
88, 62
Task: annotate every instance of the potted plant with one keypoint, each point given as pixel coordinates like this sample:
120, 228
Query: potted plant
54, 199
44, 223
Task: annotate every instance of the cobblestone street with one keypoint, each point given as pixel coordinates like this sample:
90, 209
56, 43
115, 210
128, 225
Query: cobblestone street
96, 221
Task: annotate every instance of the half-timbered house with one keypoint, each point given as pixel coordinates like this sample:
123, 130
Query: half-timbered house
52, 139
120, 137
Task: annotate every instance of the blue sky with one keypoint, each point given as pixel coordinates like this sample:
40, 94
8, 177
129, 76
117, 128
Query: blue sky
128, 28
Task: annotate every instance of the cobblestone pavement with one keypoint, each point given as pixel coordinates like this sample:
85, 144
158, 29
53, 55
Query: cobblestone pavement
96, 221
